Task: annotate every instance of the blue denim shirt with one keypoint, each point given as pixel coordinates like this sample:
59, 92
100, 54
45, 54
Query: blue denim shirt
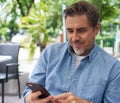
96, 79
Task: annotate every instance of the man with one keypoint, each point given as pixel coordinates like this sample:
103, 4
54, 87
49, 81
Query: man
77, 71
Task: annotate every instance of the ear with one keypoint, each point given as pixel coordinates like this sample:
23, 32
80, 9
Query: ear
97, 28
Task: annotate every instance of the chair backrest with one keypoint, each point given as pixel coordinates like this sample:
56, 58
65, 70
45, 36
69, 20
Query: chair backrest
9, 50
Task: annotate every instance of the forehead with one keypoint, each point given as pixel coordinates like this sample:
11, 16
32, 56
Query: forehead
77, 21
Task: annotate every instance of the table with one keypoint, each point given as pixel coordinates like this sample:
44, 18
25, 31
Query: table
5, 58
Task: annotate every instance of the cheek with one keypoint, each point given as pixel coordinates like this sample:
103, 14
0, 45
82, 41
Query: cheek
90, 40
69, 37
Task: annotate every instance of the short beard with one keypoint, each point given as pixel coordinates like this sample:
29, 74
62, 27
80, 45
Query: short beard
78, 52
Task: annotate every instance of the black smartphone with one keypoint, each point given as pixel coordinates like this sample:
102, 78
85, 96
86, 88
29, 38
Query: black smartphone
38, 87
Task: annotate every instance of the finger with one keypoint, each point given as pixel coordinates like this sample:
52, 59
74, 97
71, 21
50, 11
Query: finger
61, 97
35, 95
47, 99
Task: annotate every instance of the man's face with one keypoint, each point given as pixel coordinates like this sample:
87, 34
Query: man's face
81, 34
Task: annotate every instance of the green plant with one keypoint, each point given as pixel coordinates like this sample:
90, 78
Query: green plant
108, 40
35, 25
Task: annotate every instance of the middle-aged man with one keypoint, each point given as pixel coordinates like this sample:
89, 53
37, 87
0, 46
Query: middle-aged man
77, 71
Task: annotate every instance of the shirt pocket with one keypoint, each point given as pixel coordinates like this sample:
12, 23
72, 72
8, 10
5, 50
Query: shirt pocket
93, 91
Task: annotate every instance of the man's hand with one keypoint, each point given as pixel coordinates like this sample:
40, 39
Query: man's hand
32, 97
68, 98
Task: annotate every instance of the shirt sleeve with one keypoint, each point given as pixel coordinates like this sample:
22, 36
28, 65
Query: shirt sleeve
39, 72
112, 91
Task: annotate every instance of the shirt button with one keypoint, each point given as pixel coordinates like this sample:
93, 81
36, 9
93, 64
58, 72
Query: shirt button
70, 78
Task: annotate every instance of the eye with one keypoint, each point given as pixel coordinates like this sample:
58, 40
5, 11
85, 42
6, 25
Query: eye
69, 31
81, 30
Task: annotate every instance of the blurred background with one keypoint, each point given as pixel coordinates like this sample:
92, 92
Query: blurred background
36, 23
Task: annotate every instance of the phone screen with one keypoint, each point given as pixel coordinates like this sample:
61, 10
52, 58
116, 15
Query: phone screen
38, 87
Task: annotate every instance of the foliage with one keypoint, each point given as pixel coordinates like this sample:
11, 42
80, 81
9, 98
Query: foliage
44, 19
35, 24
106, 8
24, 6
41, 23
108, 40
8, 20
11, 11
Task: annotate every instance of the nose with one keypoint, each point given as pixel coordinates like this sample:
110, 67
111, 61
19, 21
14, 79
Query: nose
75, 37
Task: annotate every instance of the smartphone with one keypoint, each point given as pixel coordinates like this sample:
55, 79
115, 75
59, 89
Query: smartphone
38, 87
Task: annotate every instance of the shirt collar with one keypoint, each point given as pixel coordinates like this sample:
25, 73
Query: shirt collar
93, 53
90, 56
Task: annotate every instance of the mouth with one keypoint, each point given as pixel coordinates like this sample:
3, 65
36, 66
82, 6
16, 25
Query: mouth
77, 44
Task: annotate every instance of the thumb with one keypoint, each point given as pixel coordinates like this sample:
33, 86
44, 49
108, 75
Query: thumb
36, 94
31, 96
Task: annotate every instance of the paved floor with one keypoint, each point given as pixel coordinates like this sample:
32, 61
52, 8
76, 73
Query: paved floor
12, 99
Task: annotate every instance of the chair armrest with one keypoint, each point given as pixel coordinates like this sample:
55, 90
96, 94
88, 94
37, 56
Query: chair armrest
9, 67
12, 64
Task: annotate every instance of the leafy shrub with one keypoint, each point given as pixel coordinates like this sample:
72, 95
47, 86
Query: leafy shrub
108, 40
